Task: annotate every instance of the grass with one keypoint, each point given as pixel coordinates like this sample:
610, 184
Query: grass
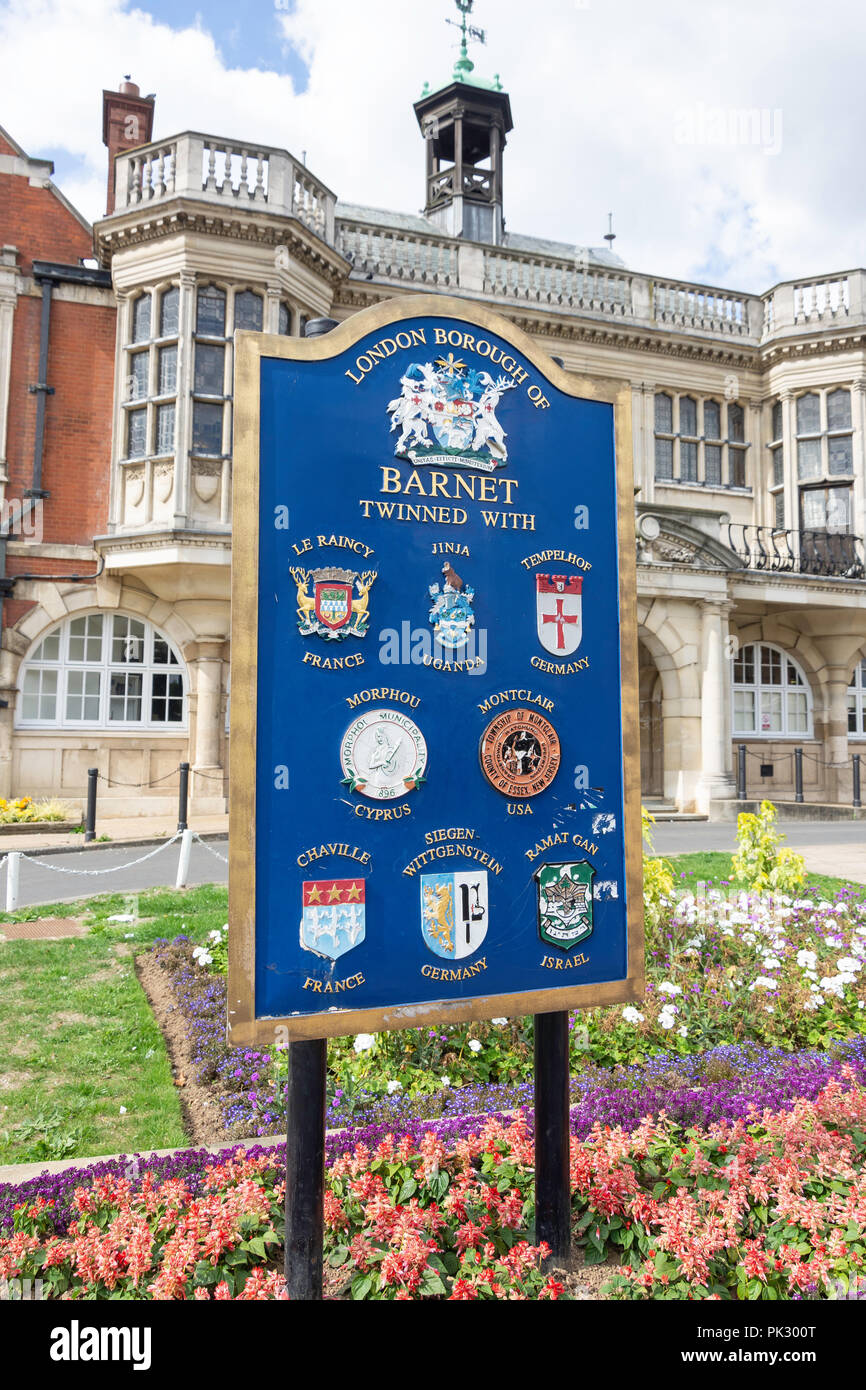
83, 1068
714, 869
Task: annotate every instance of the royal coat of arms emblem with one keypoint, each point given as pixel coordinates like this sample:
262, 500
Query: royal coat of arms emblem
564, 903
332, 611
454, 913
455, 404
333, 920
559, 612
451, 615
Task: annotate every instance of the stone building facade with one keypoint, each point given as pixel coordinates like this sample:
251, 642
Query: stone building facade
749, 425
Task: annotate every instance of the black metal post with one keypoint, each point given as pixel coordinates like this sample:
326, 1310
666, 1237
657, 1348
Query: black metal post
552, 1137
741, 772
305, 1169
856, 768
90, 814
798, 774
183, 797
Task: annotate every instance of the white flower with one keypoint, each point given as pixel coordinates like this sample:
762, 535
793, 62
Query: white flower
833, 985
771, 963
666, 1020
849, 963
632, 1015
667, 988
834, 941
364, 1041
394, 1086
474, 1045
202, 955
813, 1003
683, 1032
499, 1021
807, 959
446, 1080
763, 982
123, 1109
860, 1004
770, 1009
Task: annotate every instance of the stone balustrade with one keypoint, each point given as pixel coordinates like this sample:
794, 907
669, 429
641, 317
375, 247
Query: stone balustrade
226, 173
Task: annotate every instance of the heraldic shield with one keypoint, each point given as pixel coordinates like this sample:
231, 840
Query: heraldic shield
333, 921
564, 903
333, 603
559, 610
454, 913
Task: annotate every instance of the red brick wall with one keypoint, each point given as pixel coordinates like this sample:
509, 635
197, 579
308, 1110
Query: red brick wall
77, 443
38, 223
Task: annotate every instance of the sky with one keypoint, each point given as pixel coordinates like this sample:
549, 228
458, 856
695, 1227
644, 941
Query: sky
723, 135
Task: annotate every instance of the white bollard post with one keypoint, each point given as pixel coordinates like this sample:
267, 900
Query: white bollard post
13, 865
183, 859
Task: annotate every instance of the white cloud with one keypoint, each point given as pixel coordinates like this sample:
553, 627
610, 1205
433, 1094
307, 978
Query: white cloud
603, 97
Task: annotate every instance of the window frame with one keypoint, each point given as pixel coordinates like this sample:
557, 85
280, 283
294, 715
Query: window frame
685, 446
152, 400
823, 436
757, 687
857, 703
106, 667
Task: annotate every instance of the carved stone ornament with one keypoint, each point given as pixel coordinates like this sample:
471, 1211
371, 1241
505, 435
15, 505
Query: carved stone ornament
134, 478
206, 477
163, 481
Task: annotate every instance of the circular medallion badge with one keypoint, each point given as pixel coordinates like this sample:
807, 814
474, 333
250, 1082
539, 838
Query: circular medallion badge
383, 755
519, 753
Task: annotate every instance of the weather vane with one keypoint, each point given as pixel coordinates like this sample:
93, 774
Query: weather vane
469, 33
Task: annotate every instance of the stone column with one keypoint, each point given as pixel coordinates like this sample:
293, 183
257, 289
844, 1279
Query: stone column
716, 779
206, 677
789, 461
208, 686
183, 409
837, 779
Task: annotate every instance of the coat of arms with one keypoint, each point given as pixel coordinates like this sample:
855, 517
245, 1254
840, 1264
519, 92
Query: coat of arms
559, 612
331, 610
564, 903
333, 920
457, 405
451, 614
454, 913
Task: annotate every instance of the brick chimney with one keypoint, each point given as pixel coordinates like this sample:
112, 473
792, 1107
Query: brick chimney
127, 121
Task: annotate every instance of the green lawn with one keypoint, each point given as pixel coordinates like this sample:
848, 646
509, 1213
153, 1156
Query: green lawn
83, 1068
714, 869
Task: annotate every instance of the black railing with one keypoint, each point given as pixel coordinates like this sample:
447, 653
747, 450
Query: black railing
832, 553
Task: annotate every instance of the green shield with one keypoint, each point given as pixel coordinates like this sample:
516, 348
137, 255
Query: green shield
564, 903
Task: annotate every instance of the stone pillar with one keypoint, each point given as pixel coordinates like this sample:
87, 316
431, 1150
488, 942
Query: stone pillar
716, 779
207, 784
208, 685
837, 780
789, 461
183, 409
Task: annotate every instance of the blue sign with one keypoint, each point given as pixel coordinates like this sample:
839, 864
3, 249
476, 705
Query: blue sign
434, 751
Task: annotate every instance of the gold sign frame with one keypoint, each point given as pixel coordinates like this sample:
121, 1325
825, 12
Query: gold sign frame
244, 1028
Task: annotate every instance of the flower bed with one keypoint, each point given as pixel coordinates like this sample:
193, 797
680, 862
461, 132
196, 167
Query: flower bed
759, 988
769, 1206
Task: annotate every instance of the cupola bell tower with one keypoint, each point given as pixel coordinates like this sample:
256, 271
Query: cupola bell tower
465, 125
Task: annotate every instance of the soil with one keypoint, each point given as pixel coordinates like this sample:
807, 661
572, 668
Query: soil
201, 1114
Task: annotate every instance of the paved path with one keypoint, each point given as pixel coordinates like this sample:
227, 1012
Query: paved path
40, 882
828, 847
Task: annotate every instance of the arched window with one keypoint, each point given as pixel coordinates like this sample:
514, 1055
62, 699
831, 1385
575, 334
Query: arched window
772, 698
857, 702
103, 671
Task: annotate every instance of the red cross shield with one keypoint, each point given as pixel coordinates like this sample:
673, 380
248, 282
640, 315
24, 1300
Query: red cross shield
558, 606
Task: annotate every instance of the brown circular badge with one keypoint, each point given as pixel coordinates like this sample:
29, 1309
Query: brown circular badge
519, 753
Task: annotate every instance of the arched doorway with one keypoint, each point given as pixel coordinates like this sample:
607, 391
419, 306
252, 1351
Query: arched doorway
652, 760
